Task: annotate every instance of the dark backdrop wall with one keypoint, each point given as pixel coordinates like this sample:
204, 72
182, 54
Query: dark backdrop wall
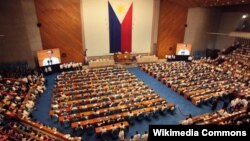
21, 36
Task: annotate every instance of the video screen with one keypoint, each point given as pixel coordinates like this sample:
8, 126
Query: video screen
49, 57
183, 49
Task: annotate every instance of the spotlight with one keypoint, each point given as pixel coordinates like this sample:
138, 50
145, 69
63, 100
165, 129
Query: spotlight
245, 16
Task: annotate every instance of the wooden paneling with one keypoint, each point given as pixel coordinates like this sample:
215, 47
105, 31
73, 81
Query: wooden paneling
172, 22
61, 27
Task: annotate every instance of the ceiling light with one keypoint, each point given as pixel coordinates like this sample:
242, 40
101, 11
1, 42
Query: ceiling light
245, 16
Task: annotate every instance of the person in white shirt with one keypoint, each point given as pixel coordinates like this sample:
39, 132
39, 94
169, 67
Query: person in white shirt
131, 138
50, 60
103, 129
183, 52
61, 67
144, 137
121, 135
49, 69
184, 122
137, 136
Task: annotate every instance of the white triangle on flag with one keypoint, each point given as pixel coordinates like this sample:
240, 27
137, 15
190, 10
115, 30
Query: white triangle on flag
120, 8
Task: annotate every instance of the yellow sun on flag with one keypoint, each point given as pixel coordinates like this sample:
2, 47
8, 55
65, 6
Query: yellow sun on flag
120, 9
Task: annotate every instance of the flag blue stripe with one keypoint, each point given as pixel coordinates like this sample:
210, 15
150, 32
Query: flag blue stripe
114, 31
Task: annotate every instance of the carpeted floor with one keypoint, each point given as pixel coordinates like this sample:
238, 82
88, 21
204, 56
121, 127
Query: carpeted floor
186, 107
43, 106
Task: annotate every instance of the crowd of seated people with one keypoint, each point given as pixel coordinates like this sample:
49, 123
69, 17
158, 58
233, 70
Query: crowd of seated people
139, 137
197, 82
236, 113
95, 63
62, 67
237, 64
31, 97
231, 48
19, 131
51, 131
204, 79
71, 66
18, 96
13, 92
104, 99
16, 130
237, 61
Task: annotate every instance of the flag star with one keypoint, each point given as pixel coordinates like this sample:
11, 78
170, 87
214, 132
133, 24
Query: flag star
120, 9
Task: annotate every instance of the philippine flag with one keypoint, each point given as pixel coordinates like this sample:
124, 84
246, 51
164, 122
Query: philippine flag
120, 25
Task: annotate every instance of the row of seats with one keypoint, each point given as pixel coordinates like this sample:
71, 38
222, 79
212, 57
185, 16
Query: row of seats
71, 65
146, 59
105, 96
13, 93
203, 80
192, 80
101, 63
18, 97
238, 112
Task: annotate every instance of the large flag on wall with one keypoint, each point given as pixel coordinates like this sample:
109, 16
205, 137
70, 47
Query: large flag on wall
120, 25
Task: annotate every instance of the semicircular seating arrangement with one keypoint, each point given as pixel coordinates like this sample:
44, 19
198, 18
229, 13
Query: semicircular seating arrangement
236, 113
205, 80
18, 97
104, 99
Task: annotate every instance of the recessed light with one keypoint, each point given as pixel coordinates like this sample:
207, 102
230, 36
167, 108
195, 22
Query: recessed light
245, 16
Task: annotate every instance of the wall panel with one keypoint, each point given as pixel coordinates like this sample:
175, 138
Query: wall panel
15, 45
201, 21
228, 25
171, 27
61, 27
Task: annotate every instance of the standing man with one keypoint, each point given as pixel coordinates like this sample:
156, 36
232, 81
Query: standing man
50, 60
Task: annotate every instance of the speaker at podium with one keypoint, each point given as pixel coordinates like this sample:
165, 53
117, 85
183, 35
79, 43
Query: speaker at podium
183, 52
183, 49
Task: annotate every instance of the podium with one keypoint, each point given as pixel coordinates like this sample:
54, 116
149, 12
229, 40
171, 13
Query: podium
122, 57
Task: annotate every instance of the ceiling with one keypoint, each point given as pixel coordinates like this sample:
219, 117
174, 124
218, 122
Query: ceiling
210, 3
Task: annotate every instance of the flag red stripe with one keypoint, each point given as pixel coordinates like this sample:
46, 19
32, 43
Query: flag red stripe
126, 31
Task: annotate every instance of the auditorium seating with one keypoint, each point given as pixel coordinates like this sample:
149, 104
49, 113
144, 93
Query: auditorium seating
204, 79
18, 98
19, 130
237, 113
146, 59
71, 66
101, 63
102, 98
105, 100
17, 94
